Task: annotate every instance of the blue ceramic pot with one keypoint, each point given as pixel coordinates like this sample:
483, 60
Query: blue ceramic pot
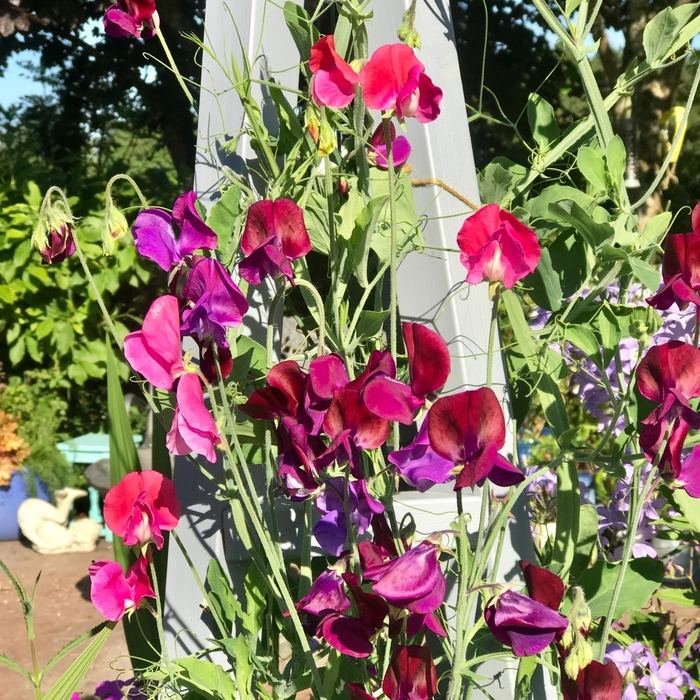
10, 499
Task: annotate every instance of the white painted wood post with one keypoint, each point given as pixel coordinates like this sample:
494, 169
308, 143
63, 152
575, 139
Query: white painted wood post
440, 150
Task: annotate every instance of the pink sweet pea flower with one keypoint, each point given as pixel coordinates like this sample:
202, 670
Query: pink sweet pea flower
333, 82
193, 428
115, 594
141, 507
156, 351
400, 148
131, 18
468, 428
274, 235
681, 269
497, 247
394, 78
411, 674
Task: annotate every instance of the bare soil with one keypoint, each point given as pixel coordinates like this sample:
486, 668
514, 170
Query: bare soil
63, 612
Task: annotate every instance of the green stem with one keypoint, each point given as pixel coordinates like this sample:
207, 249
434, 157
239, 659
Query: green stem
333, 250
321, 312
131, 181
159, 626
305, 568
492, 336
171, 62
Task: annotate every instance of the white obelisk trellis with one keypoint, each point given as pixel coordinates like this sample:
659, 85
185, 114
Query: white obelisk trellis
440, 150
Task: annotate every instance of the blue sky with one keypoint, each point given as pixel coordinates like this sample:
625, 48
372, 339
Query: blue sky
16, 82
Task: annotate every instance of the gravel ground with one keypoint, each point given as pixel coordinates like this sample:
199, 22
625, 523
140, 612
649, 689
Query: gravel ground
63, 612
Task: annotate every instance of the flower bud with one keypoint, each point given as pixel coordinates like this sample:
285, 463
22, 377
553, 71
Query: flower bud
115, 227
326, 140
580, 657
407, 31
53, 235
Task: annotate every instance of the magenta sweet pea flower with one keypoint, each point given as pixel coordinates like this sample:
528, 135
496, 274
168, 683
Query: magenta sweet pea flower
193, 428
217, 302
155, 239
496, 247
274, 235
681, 269
394, 78
115, 594
131, 18
333, 82
400, 148
689, 475
468, 429
428, 367
413, 581
411, 674
669, 375
141, 507
156, 350
523, 624
114, 690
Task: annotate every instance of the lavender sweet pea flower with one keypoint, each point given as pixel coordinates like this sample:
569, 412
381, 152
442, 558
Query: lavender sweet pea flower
664, 681
400, 148
523, 624
331, 531
155, 239
217, 302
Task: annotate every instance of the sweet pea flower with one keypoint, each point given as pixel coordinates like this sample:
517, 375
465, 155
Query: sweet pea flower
496, 247
468, 429
333, 82
115, 594
193, 428
53, 236
689, 475
523, 624
669, 375
594, 682
131, 18
113, 690
680, 269
154, 235
274, 235
400, 148
141, 507
156, 350
217, 301
394, 79
411, 674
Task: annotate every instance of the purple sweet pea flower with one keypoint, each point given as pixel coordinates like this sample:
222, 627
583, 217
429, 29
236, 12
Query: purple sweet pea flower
155, 239
664, 681
331, 531
400, 148
113, 690
274, 235
420, 465
413, 581
523, 624
217, 302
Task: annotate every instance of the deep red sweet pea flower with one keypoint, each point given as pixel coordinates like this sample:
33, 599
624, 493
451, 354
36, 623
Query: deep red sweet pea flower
394, 78
680, 269
411, 674
542, 585
594, 682
274, 235
114, 593
669, 375
130, 18
333, 82
141, 507
496, 247
468, 428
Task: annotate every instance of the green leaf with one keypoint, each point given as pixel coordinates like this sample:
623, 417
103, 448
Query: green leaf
544, 285
256, 603
300, 27
684, 598
250, 358
9, 663
643, 576
71, 679
571, 7
543, 125
17, 351
592, 166
688, 506
527, 665
659, 35
610, 332
240, 651
371, 323
223, 217
547, 389
43, 328
68, 648
568, 519
594, 233
33, 349
656, 227
616, 158
349, 212
361, 240
587, 540
63, 337
342, 33
584, 339
499, 180
207, 677
647, 274
225, 605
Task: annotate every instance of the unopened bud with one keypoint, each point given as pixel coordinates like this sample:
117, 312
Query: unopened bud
343, 186
326, 140
115, 226
407, 31
581, 656
53, 234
